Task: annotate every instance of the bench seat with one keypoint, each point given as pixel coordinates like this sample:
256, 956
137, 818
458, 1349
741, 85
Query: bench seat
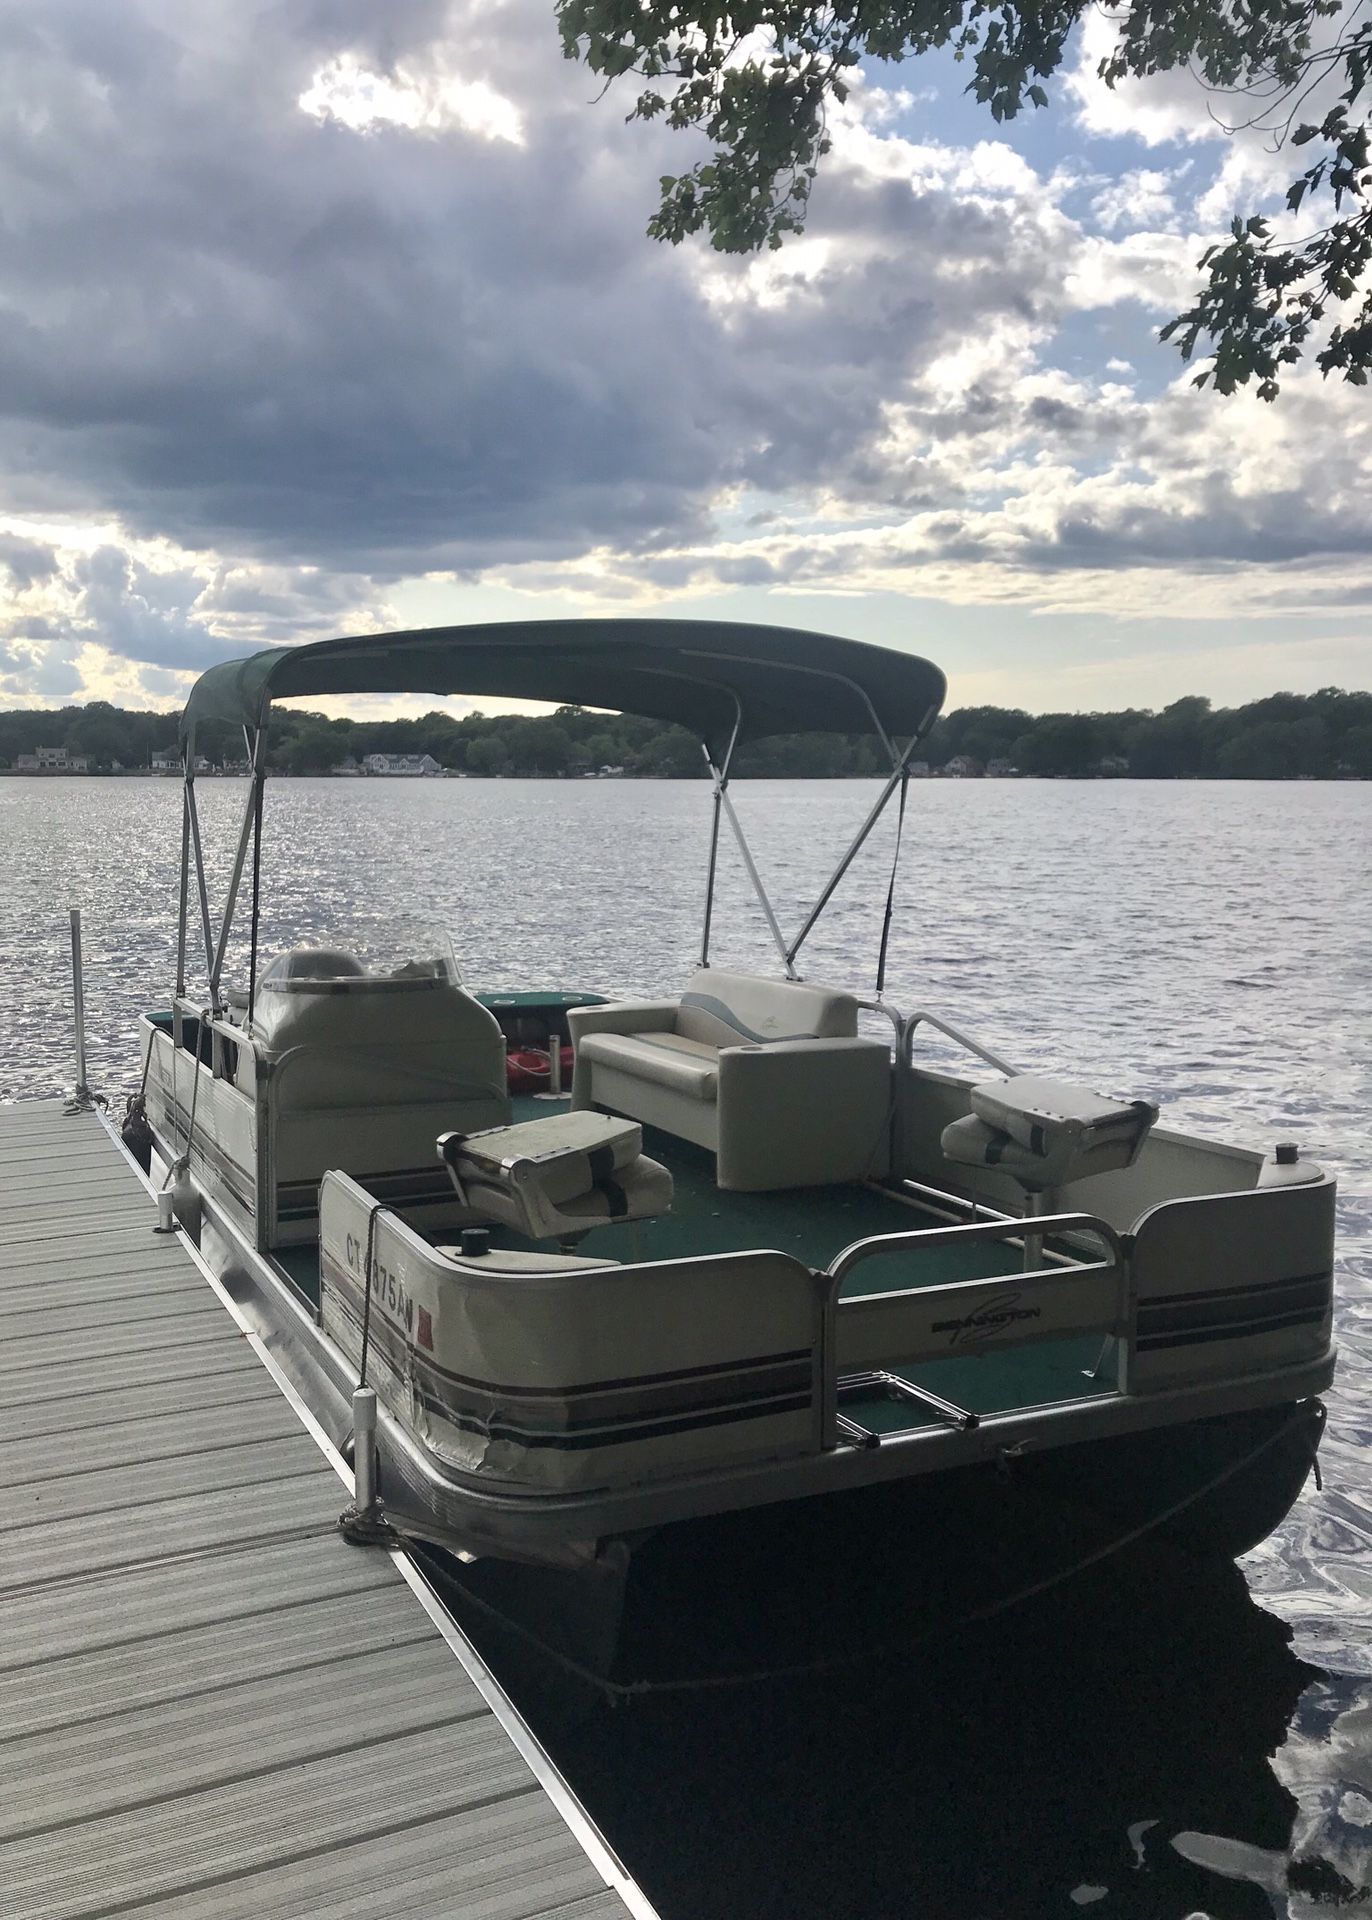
771, 1076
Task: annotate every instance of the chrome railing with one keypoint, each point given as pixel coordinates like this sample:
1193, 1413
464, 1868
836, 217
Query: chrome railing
926, 1019
837, 1426
925, 1239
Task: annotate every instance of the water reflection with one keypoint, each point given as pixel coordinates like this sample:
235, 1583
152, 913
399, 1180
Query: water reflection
1113, 1745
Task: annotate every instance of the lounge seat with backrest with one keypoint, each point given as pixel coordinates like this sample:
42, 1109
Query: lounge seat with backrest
359, 1071
771, 1075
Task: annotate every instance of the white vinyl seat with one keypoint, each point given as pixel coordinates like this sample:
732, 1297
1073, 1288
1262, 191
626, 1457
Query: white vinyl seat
557, 1178
771, 1076
669, 1060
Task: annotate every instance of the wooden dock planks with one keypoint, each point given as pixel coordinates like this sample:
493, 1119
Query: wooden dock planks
210, 1706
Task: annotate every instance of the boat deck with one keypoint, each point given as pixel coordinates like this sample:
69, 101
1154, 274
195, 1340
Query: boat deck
211, 1705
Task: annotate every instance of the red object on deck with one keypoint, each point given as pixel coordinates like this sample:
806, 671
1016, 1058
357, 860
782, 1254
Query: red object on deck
528, 1069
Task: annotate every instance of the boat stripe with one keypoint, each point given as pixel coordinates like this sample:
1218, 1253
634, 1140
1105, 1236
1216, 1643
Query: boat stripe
733, 1392
210, 1152
714, 1392
680, 1376
1325, 1276
1205, 1310
374, 1181
1240, 1330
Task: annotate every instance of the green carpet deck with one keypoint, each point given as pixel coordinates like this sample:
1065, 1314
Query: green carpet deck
816, 1223
810, 1223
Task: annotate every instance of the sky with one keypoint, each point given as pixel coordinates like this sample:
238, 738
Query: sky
320, 317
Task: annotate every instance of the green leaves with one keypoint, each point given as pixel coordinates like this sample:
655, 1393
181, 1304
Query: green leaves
755, 81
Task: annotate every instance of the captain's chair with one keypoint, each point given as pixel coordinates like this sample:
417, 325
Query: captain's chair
1046, 1133
557, 1178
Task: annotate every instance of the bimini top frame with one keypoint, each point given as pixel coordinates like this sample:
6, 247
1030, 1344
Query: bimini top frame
726, 682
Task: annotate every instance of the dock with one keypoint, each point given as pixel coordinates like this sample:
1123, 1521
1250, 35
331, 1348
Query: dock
210, 1704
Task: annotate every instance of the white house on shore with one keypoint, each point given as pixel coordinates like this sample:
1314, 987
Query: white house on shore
402, 766
51, 760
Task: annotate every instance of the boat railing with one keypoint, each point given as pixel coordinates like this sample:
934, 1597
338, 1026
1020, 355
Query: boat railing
964, 1318
925, 1239
923, 1018
219, 1028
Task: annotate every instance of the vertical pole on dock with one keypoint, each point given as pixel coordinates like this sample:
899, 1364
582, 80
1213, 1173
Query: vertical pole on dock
79, 1003
364, 1450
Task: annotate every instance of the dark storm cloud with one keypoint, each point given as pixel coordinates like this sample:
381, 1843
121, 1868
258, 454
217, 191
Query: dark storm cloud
325, 360
250, 331
1219, 530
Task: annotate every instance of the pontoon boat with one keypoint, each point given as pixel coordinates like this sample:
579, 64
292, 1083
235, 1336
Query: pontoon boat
762, 1254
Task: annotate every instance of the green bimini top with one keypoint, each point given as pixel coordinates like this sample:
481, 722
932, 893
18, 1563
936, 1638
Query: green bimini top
710, 676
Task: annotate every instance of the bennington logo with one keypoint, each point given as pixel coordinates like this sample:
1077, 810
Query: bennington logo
984, 1322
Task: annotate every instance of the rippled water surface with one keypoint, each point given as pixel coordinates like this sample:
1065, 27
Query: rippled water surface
1150, 1740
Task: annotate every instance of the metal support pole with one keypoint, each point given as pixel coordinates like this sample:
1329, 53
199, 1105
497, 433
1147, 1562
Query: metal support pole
850, 856
79, 1004
184, 897
1035, 1204
554, 1087
364, 1450
756, 879
255, 921
200, 873
235, 882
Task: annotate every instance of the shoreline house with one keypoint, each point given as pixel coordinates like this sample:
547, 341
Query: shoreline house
51, 760
402, 766
166, 760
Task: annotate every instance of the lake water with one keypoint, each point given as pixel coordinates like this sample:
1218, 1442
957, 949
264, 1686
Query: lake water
1146, 1741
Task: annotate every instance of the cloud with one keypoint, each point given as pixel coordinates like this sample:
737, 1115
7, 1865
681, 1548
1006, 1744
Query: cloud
345, 91
28, 563
1144, 197
1164, 107
364, 299
89, 608
419, 347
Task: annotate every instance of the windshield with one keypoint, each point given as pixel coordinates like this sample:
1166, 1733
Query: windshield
372, 959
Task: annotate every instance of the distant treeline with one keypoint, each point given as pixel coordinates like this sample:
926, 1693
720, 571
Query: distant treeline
1287, 736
